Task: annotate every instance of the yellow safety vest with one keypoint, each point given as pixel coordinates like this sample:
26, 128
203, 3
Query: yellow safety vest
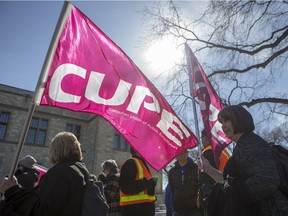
223, 157
142, 197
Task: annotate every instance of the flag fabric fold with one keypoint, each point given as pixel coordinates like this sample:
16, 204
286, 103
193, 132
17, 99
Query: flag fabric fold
210, 105
90, 73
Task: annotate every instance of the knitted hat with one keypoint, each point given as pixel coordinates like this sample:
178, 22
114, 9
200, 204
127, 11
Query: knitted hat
27, 161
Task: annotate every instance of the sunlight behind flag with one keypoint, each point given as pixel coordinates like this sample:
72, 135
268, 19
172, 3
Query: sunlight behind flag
163, 55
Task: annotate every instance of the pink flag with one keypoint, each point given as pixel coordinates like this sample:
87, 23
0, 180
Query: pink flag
90, 73
42, 170
210, 105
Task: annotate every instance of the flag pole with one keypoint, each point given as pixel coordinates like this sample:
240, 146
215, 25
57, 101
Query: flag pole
65, 12
189, 66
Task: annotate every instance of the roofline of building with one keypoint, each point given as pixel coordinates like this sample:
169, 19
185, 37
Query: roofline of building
15, 90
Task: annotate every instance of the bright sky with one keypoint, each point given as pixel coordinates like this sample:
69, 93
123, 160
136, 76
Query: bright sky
27, 28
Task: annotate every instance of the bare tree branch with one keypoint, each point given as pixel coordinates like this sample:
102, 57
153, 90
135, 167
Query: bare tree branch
264, 100
242, 46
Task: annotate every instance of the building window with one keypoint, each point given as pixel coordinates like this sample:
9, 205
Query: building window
75, 129
120, 143
37, 131
4, 118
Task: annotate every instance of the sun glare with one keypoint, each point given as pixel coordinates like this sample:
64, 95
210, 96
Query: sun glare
163, 55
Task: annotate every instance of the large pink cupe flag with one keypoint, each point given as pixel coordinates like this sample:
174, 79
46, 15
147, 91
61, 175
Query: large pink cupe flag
90, 73
210, 105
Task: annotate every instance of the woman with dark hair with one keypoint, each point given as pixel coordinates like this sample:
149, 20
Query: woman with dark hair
251, 179
61, 190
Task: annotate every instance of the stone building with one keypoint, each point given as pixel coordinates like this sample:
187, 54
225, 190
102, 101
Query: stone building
100, 141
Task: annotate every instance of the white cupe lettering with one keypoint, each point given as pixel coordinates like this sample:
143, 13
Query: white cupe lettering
166, 122
94, 85
55, 91
138, 97
214, 113
202, 103
215, 132
217, 126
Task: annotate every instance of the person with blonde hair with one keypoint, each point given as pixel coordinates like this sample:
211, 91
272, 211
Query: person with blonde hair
62, 188
63, 146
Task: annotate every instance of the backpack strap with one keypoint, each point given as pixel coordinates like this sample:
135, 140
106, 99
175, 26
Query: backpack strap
82, 168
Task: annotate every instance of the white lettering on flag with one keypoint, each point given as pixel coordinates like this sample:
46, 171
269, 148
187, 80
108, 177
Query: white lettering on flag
90, 73
210, 105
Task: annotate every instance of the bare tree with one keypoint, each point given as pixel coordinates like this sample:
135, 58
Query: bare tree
242, 46
278, 135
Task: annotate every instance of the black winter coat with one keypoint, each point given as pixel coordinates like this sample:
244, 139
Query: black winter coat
183, 183
256, 164
60, 193
254, 185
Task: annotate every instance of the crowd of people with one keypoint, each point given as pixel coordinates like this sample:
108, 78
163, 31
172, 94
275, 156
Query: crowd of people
245, 183
61, 189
